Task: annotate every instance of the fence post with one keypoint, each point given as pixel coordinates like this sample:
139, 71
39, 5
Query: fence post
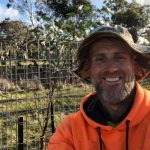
20, 133
52, 117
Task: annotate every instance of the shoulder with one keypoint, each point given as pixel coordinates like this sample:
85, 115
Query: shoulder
67, 126
147, 95
146, 90
71, 118
71, 123
144, 125
74, 118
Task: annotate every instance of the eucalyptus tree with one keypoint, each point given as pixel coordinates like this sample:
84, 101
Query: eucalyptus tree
13, 35
61, 8
70, 20
132, 15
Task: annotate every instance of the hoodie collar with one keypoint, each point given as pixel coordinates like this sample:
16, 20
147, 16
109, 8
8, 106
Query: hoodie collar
140, 108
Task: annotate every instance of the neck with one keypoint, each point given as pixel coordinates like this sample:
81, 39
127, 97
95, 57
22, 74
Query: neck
117, 112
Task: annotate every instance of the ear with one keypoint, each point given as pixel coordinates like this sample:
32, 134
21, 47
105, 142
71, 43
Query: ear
140, 73
85, 71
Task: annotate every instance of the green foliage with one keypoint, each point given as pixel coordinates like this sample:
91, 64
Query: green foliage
61, 8
12, 32
131, 15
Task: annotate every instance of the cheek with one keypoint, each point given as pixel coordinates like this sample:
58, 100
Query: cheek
128, 70
95, 71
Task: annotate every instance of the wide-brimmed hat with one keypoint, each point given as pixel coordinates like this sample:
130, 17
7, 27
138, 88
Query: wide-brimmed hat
117, 31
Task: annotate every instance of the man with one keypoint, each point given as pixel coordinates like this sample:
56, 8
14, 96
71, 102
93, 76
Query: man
117, 115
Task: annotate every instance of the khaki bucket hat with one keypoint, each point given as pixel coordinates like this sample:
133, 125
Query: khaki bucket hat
142, 52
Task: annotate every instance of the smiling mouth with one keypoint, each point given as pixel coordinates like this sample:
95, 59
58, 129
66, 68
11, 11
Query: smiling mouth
112, 80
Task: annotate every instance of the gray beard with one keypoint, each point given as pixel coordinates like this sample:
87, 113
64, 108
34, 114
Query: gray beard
115, 95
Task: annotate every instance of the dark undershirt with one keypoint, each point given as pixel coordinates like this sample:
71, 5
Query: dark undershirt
94, 110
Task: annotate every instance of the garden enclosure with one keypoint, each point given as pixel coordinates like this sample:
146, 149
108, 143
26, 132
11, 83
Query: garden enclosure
37, 90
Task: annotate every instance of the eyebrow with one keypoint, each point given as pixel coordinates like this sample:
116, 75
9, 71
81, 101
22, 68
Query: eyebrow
121, 53
104, 54
98, 54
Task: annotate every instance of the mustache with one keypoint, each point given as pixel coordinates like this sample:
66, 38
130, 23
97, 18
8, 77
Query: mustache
113, 74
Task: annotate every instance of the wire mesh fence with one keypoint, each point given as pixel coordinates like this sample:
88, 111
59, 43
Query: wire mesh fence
36, 92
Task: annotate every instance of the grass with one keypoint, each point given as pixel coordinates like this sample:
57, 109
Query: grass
29, 104
146, 83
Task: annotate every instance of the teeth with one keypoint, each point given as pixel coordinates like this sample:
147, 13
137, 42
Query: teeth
112, 79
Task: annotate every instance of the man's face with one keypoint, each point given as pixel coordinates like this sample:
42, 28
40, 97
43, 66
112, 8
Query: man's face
112, 70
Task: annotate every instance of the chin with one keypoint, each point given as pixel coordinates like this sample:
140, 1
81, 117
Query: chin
115, 93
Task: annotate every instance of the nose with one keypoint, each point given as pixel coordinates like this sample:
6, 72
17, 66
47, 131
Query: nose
111, 66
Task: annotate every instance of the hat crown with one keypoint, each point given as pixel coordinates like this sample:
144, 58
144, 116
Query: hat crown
117, 29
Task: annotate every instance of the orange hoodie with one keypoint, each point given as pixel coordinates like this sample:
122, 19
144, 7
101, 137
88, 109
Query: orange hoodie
79, 132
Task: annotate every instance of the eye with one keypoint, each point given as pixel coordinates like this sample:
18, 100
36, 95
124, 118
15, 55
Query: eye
99, 59
120, 57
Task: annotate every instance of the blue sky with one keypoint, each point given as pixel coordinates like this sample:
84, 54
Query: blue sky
14, 14
5, 13
97, 3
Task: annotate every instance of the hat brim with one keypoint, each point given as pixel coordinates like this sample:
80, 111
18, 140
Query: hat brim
143, 53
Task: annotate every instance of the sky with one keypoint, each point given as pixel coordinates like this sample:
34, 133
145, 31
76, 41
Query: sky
8, 13
13, 14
